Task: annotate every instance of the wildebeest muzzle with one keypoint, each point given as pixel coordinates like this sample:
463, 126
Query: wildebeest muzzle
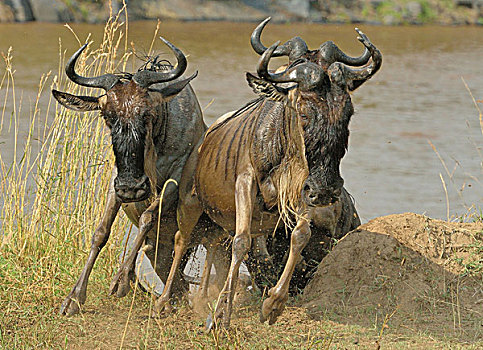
132, 190
316, 195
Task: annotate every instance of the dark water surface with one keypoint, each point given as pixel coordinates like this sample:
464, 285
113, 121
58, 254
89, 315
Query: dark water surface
417, 96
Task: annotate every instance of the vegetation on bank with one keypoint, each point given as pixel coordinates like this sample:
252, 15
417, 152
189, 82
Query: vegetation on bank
52, 196
397, 12
390, 12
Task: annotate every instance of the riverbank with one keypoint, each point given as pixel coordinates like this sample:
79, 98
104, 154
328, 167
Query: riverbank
400, 281
384, 12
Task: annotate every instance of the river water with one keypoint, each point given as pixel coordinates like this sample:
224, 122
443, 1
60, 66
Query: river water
418, 96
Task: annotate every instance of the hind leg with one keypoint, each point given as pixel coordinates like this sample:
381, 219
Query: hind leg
200, 299
120, 284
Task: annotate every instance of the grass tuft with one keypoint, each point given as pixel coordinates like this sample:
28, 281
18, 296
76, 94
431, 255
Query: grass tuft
53, 193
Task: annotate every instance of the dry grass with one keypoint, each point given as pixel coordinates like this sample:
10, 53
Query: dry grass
52, 196
53, 193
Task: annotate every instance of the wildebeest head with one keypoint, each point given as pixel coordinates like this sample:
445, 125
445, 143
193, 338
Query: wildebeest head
323, 117
132, 110
323, 109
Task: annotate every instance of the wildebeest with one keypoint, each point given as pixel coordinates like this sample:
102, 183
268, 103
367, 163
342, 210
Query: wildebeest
154, 126
332, 221
282, 150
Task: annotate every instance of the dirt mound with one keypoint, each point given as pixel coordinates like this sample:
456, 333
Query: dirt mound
427, 274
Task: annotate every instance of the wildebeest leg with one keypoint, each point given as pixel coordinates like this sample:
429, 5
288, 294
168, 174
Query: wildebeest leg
222, 265
188, 214
278, 295
200, 300
260, 264
211, 248
205, 277
120, 284
77, 296
244, 198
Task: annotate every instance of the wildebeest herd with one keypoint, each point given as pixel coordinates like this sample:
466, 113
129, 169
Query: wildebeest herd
270, 167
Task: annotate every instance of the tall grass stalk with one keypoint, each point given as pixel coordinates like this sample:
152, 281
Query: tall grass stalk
53, 193
473, 211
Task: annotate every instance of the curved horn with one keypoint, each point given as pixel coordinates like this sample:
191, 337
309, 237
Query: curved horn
353, 61
105, 81
257, 45
294, 48
146, 78
331, 53
307, 74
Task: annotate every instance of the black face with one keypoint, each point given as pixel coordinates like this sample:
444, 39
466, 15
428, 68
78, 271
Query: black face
326, 136
130, 112
128, 121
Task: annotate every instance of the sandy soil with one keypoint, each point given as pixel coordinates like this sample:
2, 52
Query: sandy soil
425, 274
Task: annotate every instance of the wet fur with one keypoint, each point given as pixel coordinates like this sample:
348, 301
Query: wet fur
154, 130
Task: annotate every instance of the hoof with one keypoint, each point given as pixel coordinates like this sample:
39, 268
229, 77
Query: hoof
69, 307
72, 303
272, 308
121, 285
162, 304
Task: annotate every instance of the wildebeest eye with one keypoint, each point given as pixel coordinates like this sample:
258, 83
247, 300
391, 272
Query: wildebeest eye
304, 119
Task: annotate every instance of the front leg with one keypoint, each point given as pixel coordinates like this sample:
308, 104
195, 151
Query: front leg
78, 294
245, 192
278, 295
120, 284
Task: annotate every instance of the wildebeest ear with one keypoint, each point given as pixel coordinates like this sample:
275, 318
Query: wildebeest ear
175, 88
77, 103
266, 89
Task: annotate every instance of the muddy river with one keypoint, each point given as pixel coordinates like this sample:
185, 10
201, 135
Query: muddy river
418, 96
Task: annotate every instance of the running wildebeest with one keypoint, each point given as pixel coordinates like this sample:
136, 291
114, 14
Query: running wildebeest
282, 150
154, 125
333, 221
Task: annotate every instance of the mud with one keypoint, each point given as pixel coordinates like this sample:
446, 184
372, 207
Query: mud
419, 274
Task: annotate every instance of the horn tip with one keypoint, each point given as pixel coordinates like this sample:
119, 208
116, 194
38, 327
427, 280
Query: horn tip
167, 42
264, 23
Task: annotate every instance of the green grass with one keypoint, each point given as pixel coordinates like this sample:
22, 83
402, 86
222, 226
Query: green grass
52, 201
